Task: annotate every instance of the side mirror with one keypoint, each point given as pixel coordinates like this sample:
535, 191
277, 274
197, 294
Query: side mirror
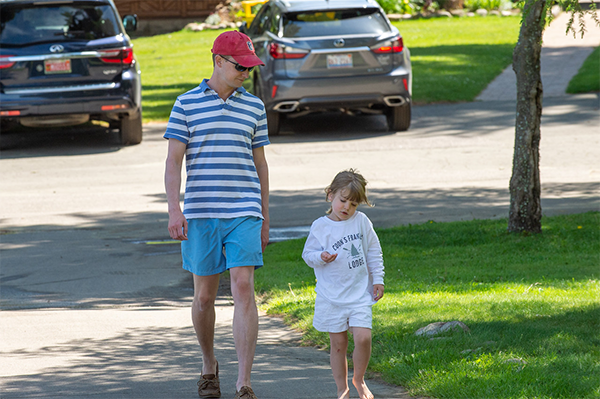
130, 23
244, 27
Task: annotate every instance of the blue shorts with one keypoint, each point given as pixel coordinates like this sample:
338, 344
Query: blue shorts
216, 245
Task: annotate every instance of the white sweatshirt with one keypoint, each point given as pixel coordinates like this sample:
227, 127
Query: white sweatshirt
349, 279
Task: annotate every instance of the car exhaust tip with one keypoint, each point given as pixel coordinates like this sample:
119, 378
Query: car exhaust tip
394, 101
286, 106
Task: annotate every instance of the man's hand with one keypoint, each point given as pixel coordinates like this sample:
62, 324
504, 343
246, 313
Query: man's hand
178, 227
327, 257
378, 291
264, 235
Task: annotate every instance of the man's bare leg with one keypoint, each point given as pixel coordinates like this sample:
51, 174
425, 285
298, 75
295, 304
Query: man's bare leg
360, 358
339, 362
245, 321
203, 317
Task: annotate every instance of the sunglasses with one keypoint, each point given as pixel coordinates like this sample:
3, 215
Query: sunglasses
238, 67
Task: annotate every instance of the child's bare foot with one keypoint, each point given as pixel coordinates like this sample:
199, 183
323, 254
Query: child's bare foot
344, 394
363, 390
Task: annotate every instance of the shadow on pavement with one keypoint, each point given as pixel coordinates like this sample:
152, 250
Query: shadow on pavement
163, 362
393, 207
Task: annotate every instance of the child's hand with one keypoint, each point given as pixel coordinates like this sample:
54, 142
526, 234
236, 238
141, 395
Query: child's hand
378, 291
327, 257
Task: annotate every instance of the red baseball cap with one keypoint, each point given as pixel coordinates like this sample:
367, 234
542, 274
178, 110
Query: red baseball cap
237, 45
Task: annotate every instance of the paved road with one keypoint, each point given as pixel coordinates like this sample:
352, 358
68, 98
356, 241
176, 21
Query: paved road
94, 304
82, 221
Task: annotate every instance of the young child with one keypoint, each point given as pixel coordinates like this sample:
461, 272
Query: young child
345, 253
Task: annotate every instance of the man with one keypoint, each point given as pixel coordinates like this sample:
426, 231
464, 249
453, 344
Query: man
222, 130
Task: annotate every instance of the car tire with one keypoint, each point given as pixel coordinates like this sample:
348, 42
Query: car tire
398, 118
130, 130
273, 122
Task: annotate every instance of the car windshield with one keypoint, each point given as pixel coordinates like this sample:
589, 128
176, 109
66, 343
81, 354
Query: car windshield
334, 23
32, 23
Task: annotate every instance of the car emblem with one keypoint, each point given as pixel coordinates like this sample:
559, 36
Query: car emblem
57, 48
339, 43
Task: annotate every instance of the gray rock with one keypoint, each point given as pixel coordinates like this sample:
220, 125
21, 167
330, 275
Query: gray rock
440, 327
443, 13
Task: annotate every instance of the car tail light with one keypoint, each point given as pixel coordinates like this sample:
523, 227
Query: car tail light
118, 56
279, 51
392, 46
114, 107
4, 62
10, 113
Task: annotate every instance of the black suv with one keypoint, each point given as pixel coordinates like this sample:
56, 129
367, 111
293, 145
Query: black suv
64, 63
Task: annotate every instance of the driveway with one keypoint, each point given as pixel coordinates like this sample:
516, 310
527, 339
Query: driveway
100, 301
88, 210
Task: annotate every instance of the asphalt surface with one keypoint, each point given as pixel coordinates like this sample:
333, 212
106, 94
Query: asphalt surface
94, 301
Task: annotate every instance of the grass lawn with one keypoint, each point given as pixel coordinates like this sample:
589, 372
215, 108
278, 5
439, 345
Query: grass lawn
532, 303
588, 77
453, 60
171, 65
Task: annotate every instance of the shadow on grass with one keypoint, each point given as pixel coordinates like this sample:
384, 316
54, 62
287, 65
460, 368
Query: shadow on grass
456, 73
551, 355
158, 100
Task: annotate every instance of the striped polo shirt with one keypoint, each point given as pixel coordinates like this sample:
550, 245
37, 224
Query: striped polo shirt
222, 181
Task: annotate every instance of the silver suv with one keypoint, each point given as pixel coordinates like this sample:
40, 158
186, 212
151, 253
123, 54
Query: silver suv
330, 55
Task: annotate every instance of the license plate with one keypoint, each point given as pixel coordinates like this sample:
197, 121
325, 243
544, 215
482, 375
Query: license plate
57, 66
339, 61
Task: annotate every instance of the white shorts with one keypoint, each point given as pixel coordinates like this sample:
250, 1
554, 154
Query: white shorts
336, 319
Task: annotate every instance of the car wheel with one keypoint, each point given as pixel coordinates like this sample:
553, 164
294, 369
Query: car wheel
273, 122
398, 118
131, 129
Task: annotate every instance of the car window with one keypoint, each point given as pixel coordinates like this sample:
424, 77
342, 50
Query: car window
261, 21
336, 22
274, 23
54, 23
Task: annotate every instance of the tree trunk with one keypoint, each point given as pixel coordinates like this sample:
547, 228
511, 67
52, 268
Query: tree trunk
525, 213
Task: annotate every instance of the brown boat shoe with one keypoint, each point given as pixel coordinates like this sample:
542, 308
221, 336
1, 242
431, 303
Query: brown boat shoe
245, 393
209, 385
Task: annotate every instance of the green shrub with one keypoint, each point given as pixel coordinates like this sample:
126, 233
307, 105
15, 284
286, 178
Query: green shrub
473, 5
407, 6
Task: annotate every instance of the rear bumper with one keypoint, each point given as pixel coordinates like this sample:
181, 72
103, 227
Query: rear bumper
100, 101
346, 92
63, 106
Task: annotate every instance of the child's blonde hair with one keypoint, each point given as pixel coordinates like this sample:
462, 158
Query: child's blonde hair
353, 182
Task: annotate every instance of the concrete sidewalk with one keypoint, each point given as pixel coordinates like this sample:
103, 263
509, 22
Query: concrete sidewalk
151, 353
126, 349
562, 56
